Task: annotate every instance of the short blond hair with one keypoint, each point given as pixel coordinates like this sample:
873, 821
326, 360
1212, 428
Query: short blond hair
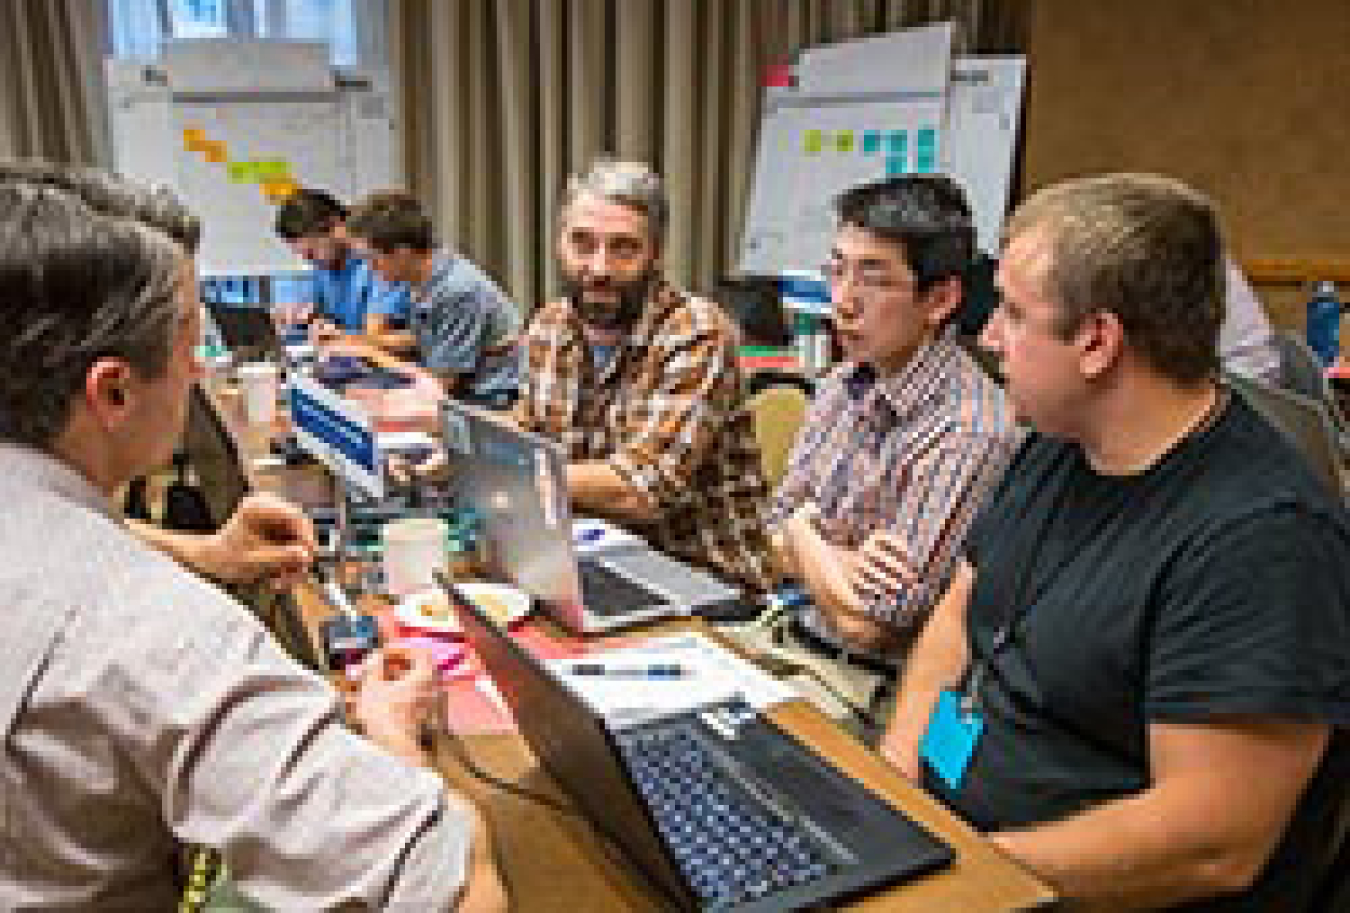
1145, 247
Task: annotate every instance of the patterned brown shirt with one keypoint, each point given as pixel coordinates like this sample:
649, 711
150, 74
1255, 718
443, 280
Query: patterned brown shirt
668, 414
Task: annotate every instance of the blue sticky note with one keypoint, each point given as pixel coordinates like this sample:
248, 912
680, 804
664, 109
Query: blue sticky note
895, 166
951, 737
897, 141
871, 144
925, 150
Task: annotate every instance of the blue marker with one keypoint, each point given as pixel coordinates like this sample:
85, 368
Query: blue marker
590, 534
664, 670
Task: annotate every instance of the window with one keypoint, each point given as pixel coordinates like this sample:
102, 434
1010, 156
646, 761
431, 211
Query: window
353, 29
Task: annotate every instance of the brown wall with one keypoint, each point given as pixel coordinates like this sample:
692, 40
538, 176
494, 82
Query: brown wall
1247, 99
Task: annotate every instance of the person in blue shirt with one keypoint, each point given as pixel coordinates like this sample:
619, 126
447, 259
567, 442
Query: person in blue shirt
349, 299
462, 326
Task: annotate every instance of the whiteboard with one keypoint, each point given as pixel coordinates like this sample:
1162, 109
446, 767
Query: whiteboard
984, 108
860, 111
809, 153
234, 154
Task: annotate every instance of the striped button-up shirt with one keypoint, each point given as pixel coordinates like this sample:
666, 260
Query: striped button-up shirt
141, 707
914, 454
667, 412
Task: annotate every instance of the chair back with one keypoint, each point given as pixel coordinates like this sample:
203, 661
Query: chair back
1304, 421
777, 413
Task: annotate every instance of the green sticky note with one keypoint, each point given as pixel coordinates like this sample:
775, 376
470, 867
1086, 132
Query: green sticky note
273, 169
813, 142
843, 141
871, 143
240, 172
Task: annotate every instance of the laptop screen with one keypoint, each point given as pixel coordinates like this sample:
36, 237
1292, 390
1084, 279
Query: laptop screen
573, 744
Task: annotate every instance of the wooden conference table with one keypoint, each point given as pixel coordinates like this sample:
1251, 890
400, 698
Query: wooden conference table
555, 861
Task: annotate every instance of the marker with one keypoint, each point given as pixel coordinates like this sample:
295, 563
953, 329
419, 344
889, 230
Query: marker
590, 534
668, 670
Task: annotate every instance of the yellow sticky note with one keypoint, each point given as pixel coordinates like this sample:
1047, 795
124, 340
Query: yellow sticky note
213, 151
843, 141
813, 142
278, 191
192, 136
241, 172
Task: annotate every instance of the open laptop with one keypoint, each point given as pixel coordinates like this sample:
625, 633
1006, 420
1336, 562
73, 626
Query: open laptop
214, 455
248, 332
717, 806
515, 481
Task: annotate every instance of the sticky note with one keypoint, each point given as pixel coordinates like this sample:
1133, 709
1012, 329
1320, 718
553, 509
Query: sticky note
212, 151
192, 136
895, 165
273, 169
897, 142
813, 142
277, 191
843, 141
240, 172
871, 143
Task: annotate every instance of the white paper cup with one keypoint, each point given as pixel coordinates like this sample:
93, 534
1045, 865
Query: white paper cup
258, 381
413, 549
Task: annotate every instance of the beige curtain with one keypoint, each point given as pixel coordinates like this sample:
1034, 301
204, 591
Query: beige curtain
502, 99
51, 95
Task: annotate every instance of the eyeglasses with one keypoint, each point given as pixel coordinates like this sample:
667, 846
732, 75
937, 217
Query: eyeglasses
869, 279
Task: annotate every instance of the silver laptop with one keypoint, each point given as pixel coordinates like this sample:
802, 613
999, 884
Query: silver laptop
515, 480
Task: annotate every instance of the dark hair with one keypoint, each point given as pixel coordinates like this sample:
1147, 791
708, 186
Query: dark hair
76, 286
155, 206
754, 304
307, 213
926, 214
392, 219
1146, 248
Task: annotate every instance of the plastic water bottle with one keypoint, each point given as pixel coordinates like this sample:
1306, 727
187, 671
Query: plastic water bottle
1324, 322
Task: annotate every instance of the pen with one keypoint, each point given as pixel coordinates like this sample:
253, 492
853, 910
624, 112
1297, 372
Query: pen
664, 670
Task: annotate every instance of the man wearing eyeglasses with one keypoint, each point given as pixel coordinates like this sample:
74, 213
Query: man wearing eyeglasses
639, 381
903, 440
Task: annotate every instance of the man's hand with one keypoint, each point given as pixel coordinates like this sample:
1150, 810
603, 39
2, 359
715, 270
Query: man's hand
267, 538
901, 747
397, 695
322, 330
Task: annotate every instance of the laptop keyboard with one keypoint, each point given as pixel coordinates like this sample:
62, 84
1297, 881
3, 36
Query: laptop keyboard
730, 848
607, 592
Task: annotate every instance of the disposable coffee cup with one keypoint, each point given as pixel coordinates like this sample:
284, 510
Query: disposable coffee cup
413, 549
258, 381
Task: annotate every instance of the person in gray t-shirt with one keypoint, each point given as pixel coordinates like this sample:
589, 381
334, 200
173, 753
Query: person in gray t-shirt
462, 326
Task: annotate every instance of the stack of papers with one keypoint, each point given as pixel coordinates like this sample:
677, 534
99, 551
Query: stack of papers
667, 675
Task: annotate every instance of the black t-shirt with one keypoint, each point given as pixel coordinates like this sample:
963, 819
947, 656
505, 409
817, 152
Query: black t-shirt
1216, 582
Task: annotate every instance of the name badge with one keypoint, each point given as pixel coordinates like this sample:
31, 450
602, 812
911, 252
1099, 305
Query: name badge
950, 739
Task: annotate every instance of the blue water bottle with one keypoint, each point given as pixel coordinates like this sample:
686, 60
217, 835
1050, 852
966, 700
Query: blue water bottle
1324, 322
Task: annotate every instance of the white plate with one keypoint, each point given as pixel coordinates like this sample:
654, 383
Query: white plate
505, 604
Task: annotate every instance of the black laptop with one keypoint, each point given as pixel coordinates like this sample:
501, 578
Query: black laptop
720, 808
248, 332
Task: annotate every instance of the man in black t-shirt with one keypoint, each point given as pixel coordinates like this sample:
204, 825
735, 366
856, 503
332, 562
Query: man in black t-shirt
1139, 680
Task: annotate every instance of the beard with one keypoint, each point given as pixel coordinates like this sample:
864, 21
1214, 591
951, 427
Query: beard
619, 314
